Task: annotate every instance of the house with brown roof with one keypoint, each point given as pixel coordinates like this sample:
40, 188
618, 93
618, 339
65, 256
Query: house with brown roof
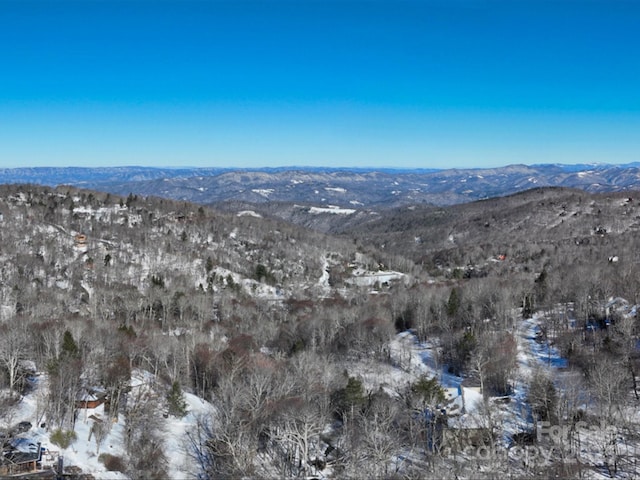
90, 398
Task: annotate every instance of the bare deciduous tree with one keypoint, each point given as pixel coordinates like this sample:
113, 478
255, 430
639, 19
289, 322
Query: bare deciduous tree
143, 435
13, 349
610, 385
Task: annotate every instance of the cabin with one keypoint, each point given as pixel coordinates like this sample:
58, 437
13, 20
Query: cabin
15, 462
463, 399
80, 239
90, 398
464, 426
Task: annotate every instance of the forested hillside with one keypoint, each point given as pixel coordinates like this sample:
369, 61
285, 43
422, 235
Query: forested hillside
148, 338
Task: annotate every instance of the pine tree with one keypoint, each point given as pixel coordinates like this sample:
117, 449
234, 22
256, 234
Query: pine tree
428, 391
350, 398
209, 264
177, 403
354, 392
69, 345
453, 303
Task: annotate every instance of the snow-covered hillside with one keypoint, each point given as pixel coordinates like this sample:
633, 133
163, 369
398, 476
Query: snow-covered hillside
210, 345
88, 451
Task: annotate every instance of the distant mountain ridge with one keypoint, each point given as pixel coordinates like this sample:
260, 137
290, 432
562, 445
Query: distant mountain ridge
343, 187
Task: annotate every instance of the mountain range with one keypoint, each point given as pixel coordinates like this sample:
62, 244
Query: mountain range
345, 188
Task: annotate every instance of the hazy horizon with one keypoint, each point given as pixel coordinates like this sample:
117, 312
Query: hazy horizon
354, 84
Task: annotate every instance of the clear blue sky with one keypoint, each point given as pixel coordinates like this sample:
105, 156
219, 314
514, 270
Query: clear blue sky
448, 83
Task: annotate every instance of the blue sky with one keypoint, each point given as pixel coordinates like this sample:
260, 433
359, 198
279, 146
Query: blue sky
429, 84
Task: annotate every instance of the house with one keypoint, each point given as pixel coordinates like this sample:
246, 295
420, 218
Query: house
462, 399
20, 461
464, 425
90, 398
80, 239
616, 306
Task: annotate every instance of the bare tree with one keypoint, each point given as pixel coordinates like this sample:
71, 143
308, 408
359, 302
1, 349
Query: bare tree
626, 329
143, 435
199, 446
64, 385
381, 439
13, 349
231, 449
99, 431
294, 436
609, 383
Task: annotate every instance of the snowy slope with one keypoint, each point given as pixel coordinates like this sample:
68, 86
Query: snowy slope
84, 451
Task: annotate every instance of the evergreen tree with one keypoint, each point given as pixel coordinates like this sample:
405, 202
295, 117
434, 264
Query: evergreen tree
69, 346
261, 272
209, 264
351, 398
177, 403
428, 391
354, 392
453, 304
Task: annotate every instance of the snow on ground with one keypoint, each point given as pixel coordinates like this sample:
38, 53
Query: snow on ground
323, 281
412, 359
261, 290
83, 452
418, 359
99, 213
265, 192
336, 189
248, 213
332, 209
531, 355
177, 440
408, 354
405, 368
364, 278
543, 353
